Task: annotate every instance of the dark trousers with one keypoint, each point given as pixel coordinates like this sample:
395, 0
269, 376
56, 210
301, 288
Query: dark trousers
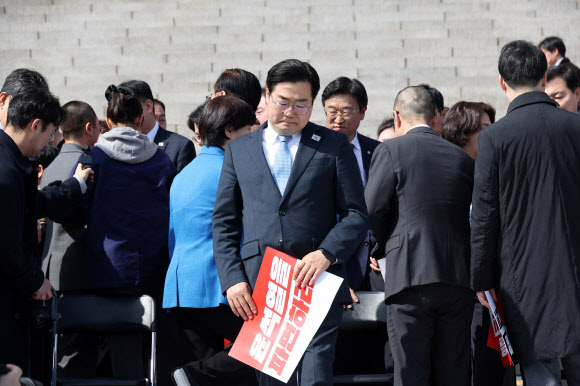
205, 358
429, 333
315, 367
378, 284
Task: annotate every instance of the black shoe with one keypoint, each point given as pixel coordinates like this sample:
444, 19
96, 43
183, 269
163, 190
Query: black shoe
180, 377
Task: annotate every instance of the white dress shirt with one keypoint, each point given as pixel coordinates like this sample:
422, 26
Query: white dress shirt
2, 126
153, 132
271, 142
558, 62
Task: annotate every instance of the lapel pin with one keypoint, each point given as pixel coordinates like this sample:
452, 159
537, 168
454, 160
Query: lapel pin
161, 144
368, 152
316, 137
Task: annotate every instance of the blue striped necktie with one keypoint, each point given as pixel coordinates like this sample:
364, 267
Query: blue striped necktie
282, 163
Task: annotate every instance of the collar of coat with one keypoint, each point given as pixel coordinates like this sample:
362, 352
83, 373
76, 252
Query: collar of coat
8, 143
530, 98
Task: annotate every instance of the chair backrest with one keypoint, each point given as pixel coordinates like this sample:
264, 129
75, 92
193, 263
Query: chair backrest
371, 312
112, 314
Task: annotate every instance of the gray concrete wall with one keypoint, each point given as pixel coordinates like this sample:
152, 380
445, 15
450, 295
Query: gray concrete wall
180, 47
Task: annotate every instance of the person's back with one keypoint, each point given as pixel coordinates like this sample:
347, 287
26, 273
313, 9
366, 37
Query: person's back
129, 217
434, 185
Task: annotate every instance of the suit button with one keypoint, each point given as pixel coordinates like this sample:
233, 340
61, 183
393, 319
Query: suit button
282, 213
366, 243
280, 242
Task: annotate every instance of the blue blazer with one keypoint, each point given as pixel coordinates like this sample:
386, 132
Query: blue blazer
192, 279
324, 182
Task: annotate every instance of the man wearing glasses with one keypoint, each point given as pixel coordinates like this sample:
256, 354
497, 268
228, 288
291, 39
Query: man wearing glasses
32, 117
292, 179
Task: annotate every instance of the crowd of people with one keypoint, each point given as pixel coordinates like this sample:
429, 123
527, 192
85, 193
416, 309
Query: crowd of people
447, 201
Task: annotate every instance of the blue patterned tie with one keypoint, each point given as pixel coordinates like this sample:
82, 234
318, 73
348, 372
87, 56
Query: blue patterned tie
282, 163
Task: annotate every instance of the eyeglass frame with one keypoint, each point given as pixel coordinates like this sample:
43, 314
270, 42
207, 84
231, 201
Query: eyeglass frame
276, 103
52, 136
341, 113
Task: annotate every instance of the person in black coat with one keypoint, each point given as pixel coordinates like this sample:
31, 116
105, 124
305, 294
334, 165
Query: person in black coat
418, 198
33, 115
526, 214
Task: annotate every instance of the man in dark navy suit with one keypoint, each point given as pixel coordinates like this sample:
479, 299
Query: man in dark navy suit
291, 179
180, 150
345, 104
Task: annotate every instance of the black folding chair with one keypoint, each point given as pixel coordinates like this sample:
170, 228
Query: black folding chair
362, 336
92, 314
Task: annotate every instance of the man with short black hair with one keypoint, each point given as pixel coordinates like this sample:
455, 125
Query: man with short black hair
291, 179
180, 150
14, 83
563, 86
418, 198
554, 49
345, 104
33, 115
239, 83
81, 127
437, 123
526, 214
160, 117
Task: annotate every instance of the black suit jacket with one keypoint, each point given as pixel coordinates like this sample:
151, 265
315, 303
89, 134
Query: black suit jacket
368, 146
418, 198
526, 214
180, 150
356, 278
324, 182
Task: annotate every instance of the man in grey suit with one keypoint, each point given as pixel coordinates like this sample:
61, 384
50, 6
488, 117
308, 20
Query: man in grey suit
64, 250
290, 178
418, 197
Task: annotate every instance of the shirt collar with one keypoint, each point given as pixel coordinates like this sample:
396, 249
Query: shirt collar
271, 136
421, 125
559, 61
355, 142
153, 132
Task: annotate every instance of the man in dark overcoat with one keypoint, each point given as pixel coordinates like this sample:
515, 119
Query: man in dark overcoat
526, 214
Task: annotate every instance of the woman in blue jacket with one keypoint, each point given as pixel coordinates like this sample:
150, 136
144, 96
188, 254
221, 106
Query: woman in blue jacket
192, 288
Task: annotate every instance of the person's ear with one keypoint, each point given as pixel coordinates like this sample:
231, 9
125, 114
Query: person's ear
397, 120
88, 128
3, 99
110, 123
150, 106
40, 170
577, 95
502, 84
35, 125
228, 131
544, 79
362, 113
220, 93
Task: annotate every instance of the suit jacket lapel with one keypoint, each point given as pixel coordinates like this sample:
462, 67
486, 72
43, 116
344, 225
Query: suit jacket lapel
161, 138
256, 151
305, 152
366, 154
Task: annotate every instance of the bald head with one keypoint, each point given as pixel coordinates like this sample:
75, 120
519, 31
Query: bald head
414, 103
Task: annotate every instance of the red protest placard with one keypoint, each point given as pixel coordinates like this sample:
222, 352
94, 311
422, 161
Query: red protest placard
288, 317
498, 338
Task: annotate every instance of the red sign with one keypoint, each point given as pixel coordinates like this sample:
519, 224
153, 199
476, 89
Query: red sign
498, 338
288, 317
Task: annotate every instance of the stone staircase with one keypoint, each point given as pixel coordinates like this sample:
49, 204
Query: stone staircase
180, 47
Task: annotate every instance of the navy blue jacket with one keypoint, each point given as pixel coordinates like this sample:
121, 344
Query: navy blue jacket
129, 221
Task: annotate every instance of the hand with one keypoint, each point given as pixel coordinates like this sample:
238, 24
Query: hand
375, 265
483, 299
354, 299
45, 292
11, 378
84, 173
241, 302
309, 268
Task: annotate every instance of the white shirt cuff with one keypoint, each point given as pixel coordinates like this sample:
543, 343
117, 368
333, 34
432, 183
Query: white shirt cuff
82, 183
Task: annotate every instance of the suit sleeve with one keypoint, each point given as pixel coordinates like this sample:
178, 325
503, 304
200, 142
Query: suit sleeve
185, 156
18, 269
227, 226
379, 194
345, 237
61, 202
485, 217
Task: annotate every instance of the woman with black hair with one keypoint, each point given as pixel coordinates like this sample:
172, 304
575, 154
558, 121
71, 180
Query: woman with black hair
129, 217
192, 287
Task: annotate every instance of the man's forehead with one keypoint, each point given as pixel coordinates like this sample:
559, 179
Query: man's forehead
345, 100
556, 84
299, 91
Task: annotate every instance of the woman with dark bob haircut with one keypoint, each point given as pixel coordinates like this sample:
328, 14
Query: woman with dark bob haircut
192, 287
464, 122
